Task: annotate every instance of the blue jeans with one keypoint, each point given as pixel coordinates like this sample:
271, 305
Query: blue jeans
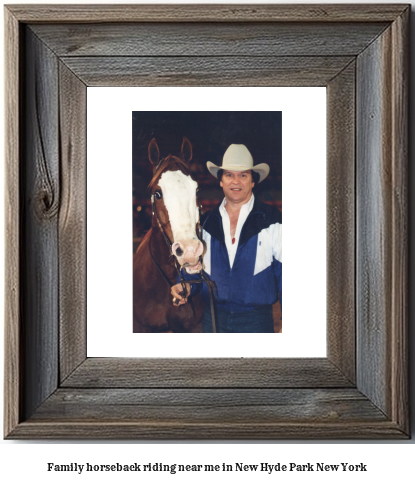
257, 320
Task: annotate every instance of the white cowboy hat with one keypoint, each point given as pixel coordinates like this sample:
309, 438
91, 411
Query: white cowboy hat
238, 158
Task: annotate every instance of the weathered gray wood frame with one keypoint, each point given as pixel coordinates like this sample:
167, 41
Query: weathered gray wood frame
359, 52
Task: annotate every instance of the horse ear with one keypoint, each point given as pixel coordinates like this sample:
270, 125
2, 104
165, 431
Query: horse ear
153, 152
187, 151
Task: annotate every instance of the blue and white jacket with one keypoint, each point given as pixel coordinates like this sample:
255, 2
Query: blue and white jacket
255, 278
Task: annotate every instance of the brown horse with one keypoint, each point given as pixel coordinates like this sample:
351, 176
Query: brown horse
172, 236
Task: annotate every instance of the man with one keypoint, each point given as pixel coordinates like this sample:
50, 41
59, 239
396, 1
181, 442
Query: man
243, 256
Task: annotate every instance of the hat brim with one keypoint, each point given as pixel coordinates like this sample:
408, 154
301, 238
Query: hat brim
262, 169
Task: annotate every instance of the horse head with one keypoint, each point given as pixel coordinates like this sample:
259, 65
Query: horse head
174, 196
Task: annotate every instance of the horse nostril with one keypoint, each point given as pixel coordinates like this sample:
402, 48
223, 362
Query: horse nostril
179, 252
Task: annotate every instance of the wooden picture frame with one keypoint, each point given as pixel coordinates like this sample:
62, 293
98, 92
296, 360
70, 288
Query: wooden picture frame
360, 53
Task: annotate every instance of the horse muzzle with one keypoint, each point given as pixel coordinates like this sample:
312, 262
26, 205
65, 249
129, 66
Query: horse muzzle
188, 253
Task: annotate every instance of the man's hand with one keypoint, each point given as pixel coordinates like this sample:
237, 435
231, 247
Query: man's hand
177, 298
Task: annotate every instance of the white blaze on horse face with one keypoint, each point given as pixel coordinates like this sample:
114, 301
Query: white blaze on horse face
179, 196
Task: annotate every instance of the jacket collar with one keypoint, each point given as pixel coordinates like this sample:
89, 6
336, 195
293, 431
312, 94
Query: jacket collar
212, 222
261, 217
254, 223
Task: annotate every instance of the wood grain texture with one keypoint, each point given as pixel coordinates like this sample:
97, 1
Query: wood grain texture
72, 222
400, 262
207, 39
373, 224
206, 373
166, 430
249, 426
206, 71
341, 238
382, 223
13, 383
206, 13
40, 206
209, 405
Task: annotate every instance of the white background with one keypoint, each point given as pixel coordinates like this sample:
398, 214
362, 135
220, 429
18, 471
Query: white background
388, 463
109, 119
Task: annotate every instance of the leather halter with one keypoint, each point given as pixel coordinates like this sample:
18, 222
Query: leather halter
204, 278
154, 210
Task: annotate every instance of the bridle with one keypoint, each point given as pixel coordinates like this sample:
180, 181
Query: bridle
204, 278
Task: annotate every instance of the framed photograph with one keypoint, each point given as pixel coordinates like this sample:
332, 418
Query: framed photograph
168, 218
54, 387
210, 118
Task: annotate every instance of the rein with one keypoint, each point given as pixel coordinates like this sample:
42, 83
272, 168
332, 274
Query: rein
204, 278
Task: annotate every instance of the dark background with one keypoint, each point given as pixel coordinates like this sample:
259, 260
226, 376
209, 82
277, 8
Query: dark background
210, 133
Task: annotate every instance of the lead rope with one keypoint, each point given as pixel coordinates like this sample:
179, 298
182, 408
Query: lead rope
211, 285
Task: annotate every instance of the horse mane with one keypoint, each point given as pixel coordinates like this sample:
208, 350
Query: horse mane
170, 163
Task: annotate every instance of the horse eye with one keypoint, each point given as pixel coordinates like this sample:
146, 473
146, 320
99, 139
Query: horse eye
197, 191
158, 194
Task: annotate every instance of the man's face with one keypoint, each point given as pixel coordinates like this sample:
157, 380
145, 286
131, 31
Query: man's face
237, 186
